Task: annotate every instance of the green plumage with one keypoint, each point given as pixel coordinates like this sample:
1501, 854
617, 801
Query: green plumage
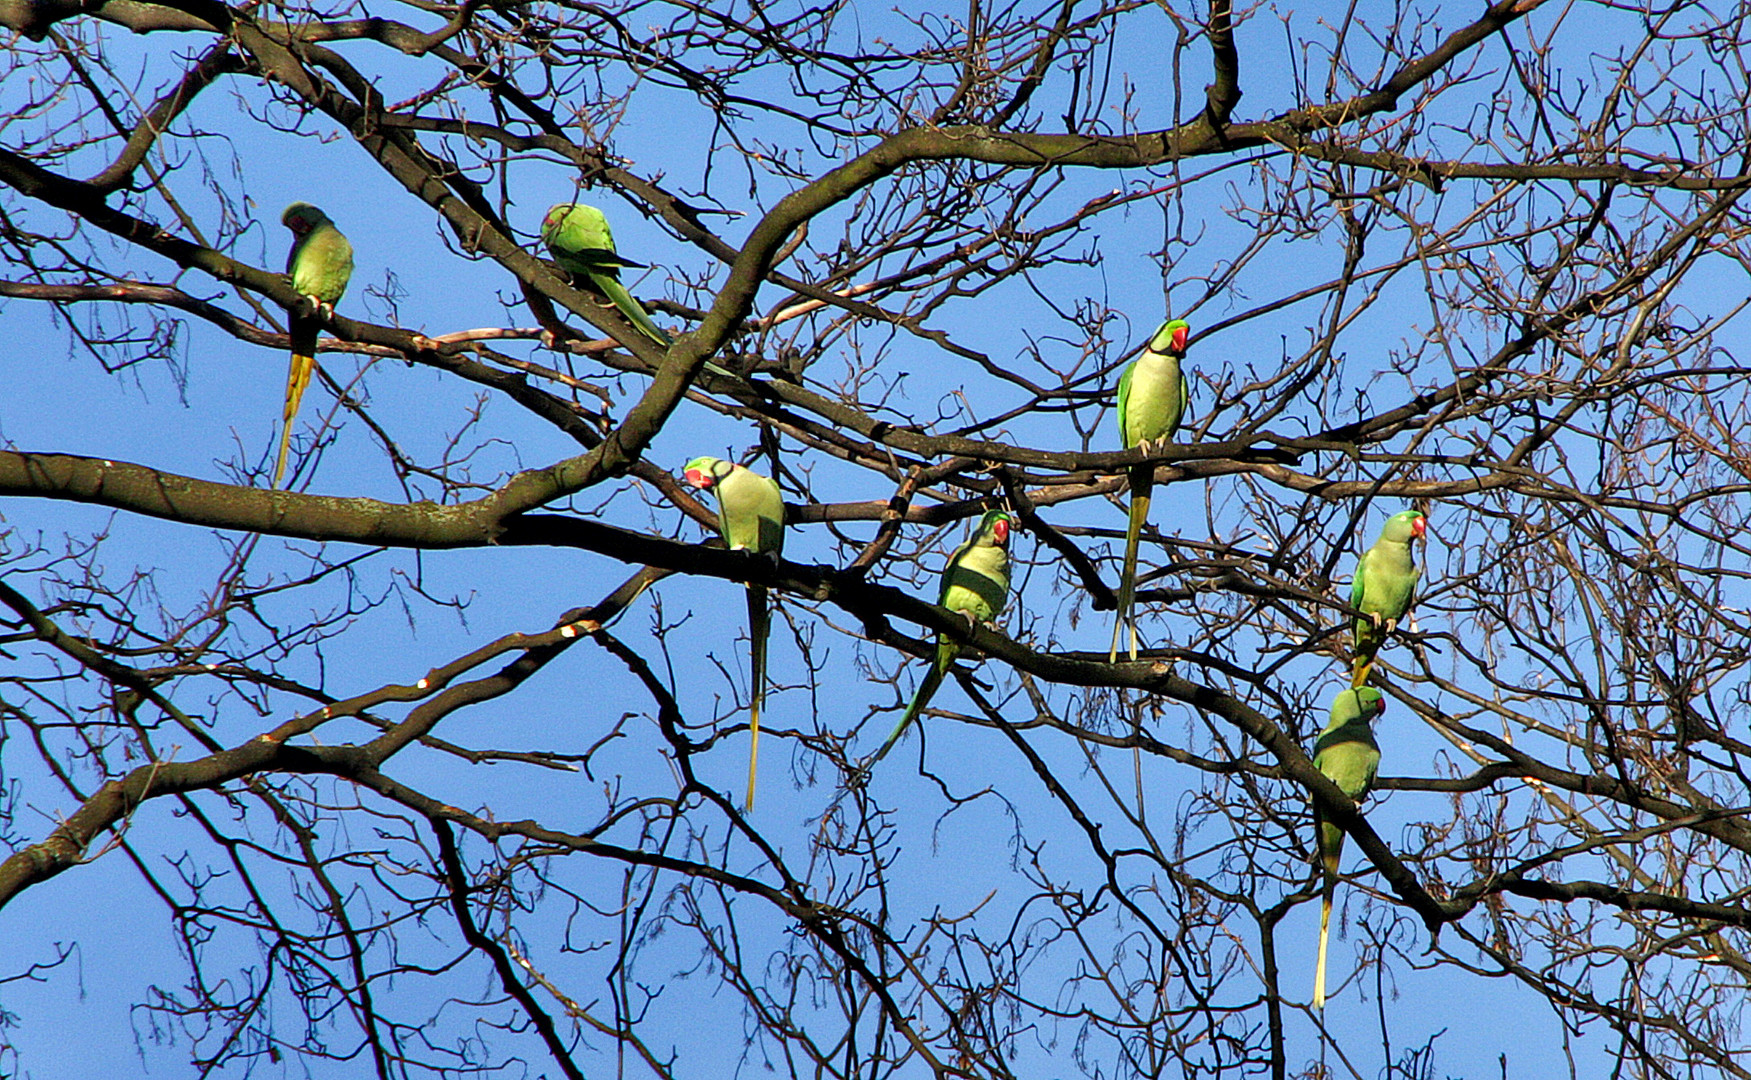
320, 264
975, 583
582, 244
1385, 587
751, 518
1152, 403
1347, 753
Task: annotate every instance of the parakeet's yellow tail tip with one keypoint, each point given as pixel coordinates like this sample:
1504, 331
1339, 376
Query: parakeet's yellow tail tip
753, 751
1319, 969
285, 445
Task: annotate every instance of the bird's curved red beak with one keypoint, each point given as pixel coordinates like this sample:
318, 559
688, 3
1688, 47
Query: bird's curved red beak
1000, 529
699, 479
1420, 527
1179, 338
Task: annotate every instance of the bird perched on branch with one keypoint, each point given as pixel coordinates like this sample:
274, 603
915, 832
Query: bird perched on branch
975, 583
1152, 402
582, 244
751, 518
1346, 753
1385, 587
320, 265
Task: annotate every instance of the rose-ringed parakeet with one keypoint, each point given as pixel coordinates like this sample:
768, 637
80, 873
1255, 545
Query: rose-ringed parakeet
1347, 753
320, 265
582, 244
1152, 402
1385, 587
751, 518
975, 583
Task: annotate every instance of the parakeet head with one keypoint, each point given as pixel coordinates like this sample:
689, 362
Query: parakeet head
704, 472
994, 528
301, 217
1405, 526
1170, 338
1364, 703
581, 223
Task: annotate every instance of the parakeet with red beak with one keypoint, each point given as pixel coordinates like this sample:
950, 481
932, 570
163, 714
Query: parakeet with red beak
1347, 753
582, 244
975, 583
1152, 402
751, 518
1385, 587
320, 265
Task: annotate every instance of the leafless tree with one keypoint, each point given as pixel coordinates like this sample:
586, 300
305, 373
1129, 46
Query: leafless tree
410, 799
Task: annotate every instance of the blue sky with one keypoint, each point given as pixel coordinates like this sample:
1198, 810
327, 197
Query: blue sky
219, 405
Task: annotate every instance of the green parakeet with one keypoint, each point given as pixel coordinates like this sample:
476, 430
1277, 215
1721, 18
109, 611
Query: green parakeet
1152, 402
1347, 753
581, 242
975, 583
320, 265
751, 518
1385, 587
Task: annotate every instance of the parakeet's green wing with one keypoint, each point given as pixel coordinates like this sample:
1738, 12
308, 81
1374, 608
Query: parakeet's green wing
1125, 406
1359, 587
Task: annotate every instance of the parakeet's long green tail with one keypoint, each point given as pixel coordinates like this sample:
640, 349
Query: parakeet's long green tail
945, 656
759, 621
611, 288
303, 366
1142, 480
1330, 849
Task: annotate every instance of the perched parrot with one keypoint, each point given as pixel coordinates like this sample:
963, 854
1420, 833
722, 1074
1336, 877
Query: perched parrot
1152, 402
1347, 753
320, 265
581, 242
751, 518
1385, 586
975, 583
